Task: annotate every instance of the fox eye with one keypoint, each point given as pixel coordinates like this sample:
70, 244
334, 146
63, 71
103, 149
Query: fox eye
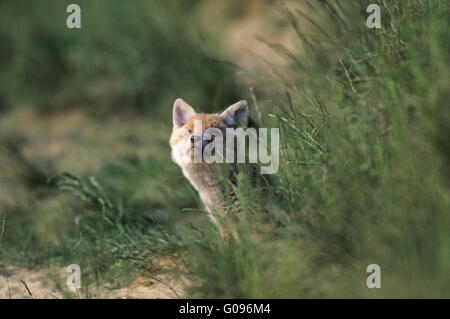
188, 132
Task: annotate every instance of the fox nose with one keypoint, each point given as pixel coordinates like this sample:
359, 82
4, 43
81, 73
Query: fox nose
204, 141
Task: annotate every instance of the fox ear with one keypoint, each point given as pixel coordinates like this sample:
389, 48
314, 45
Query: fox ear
182, 112
236, 114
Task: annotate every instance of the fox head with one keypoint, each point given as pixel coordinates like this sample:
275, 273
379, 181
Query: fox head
186, 134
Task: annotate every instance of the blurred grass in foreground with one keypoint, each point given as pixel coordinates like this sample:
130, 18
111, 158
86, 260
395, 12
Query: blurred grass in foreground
363, 179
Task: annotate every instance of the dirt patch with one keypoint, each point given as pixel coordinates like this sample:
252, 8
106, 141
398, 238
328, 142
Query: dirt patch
245, 24
21, 283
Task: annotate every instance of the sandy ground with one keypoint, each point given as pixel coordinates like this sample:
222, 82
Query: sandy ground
20, 283
13, 280
256, 21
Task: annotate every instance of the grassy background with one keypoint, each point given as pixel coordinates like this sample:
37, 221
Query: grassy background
363, 117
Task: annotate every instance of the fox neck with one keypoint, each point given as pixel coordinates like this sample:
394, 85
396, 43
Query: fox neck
201, 176
205, 179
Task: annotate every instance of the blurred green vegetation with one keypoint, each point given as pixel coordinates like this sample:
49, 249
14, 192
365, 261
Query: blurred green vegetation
363, 116
141, 55
364, 168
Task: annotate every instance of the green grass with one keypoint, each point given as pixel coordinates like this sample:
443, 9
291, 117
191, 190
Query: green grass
364, 171
364, 125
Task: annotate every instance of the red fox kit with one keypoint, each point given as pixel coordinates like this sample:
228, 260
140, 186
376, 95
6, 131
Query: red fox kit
202, 175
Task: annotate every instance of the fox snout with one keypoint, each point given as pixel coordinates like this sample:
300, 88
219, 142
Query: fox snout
205, 141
